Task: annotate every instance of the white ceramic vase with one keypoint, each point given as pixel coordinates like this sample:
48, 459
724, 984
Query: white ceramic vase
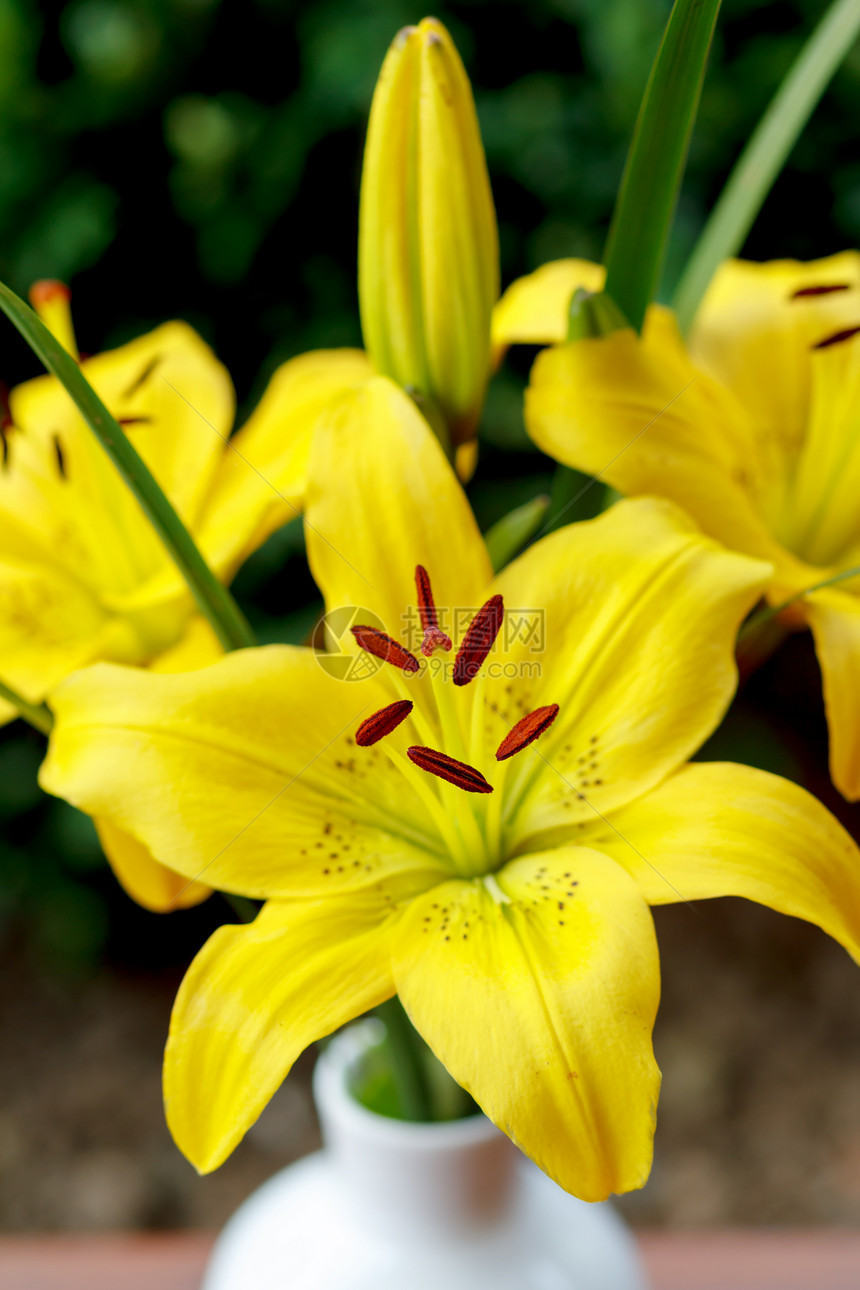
388, 1205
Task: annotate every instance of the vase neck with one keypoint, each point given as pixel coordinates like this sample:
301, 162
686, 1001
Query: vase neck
427, 1178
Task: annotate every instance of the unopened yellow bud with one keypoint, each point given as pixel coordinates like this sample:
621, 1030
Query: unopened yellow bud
428, 261
51, 301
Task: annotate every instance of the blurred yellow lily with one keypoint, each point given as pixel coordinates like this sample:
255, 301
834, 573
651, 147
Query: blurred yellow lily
82, 574
478, 825
754, 429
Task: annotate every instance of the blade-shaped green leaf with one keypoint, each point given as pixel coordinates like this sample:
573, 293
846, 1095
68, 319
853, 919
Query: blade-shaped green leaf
765, 154
513, 530
655, 163
213, 599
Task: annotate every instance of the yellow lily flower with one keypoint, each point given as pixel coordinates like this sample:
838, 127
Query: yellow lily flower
753, 429
428, 249
82, 574
478, 825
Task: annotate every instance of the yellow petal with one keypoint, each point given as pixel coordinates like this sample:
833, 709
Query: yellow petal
53, 532
755, 335
243, 774
834, 617
534, 310
381, 499
144, 879
176, 403
253, 999
43, 520
52, 302
261, 479
49, 625
198, 647
641, 417
466, 460
538, 992
822, 520
637, 615
716, 829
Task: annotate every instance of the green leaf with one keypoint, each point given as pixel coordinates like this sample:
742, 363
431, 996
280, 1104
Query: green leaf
766, 152
655, 163
213, 599
768, 612
513, 530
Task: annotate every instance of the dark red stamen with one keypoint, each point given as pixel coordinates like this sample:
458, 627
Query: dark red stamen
458, 773
426, 603
435, 638
382, 723
824, 289
479, 640
60, 457
526, 731
837, 337
384, 647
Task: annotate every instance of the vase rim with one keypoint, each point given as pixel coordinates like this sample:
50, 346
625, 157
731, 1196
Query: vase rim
335, 1100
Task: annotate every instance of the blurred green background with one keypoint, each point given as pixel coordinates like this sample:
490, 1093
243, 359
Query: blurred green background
201, 159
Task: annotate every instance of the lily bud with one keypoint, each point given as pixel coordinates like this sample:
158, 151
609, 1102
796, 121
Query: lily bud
428, 259
51, 301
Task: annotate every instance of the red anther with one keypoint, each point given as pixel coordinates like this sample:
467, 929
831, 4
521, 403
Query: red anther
824, 289
526, 731
478, 641
458, 773
384, 647
382, 723
837, 337
434, 639
47, 289
426, 603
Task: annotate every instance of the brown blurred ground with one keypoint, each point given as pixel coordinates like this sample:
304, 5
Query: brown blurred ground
758, 1038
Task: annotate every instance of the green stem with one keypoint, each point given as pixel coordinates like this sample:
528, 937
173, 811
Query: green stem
37, 714
765, 153
403, 1045
213, 599
763, 616
655, 163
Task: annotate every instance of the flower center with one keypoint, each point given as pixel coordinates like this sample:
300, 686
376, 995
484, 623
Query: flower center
470, 825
